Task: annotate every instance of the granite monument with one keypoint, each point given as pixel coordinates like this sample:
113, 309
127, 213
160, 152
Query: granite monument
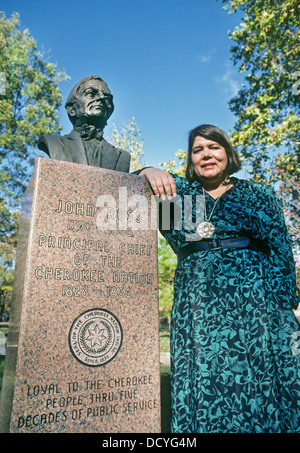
83, 343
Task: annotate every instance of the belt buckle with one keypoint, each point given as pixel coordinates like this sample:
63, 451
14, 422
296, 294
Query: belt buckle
214, 244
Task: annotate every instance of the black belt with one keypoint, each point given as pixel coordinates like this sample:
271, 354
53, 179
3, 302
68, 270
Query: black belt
241, 242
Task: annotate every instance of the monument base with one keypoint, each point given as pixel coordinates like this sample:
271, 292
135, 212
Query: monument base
83, 344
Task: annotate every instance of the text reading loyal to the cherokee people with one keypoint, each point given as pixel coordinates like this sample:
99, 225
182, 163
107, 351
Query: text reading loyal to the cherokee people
88, 399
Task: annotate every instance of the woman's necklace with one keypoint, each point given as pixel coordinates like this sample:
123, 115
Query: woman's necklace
206, 229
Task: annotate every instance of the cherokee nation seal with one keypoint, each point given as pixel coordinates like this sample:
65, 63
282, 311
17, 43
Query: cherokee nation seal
95, 337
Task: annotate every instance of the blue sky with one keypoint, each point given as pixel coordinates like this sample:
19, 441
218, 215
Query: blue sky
167, 62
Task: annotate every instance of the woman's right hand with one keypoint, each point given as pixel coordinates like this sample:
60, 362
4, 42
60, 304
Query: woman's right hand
162, 182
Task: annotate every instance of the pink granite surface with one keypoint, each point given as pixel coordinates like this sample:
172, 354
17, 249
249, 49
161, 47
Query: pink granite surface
83, 348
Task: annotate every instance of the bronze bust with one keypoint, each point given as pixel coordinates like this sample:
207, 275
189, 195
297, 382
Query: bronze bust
89, 105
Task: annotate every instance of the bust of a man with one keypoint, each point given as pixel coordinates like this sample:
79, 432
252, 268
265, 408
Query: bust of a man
89, 105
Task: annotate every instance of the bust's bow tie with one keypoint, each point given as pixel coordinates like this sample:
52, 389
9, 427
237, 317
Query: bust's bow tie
88, 132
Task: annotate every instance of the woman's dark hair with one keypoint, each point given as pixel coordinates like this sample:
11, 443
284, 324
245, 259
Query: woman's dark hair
216, 134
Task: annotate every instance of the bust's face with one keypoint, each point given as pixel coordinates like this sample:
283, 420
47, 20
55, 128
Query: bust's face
94, 101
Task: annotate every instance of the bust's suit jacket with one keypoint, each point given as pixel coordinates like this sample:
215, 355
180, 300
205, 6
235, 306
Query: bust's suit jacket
70, 148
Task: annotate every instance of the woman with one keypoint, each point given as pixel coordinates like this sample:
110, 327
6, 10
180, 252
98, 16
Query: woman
232, 329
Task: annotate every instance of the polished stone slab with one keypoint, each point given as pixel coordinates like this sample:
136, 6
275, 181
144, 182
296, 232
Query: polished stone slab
83, 343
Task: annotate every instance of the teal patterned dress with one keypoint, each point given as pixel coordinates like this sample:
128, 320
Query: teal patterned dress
235, 363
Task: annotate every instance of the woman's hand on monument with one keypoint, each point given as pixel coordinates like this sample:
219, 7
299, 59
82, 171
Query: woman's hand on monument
162, 182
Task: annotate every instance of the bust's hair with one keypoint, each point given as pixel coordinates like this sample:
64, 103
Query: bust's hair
73, 96
216, 134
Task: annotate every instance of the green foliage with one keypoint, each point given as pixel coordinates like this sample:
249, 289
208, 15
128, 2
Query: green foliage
167, 259
6, 288
166, 271
267, 106
129, 138
9, 222
289, 193
30, 101
177, 165
29, 107
266, 133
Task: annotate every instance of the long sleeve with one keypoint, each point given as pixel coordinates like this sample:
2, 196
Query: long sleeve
277, 239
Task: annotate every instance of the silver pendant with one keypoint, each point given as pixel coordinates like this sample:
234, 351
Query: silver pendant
205, 229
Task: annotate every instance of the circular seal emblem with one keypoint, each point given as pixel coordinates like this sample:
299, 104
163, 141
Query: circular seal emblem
95, 337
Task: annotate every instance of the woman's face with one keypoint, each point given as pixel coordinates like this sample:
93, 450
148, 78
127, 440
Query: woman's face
209, 160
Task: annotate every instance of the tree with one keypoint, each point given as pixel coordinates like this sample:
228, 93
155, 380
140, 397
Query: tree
30, 101
267, 50
6, 287
29, 107
290, 196
177, 165
129, 138
9, 222
167, 259
166, 271
267, 106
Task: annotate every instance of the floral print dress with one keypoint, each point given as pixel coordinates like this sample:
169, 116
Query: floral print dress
235, 363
